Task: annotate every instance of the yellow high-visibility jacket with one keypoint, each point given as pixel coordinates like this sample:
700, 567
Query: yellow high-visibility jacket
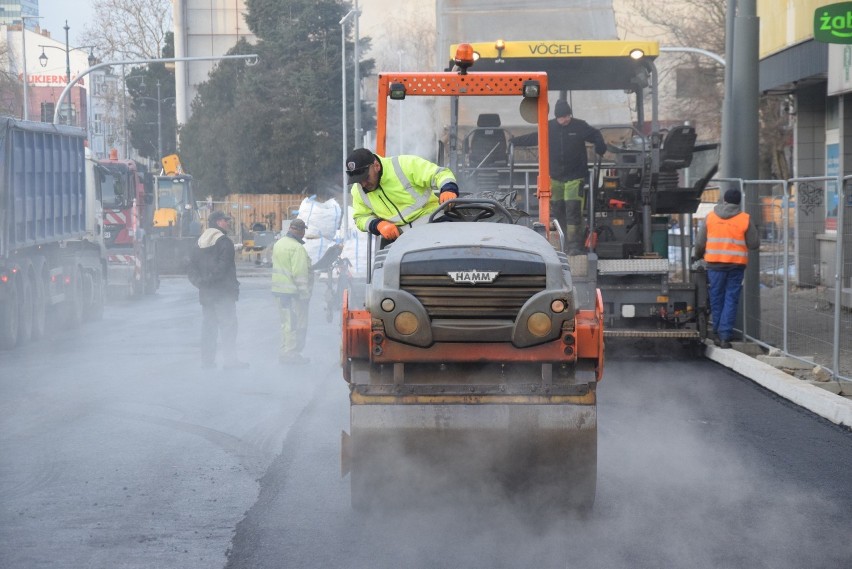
406, 191
291, 268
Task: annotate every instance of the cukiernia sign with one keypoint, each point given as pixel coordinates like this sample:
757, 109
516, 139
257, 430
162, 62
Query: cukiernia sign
833, 23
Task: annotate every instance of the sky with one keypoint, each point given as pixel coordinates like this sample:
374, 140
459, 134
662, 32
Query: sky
79, 14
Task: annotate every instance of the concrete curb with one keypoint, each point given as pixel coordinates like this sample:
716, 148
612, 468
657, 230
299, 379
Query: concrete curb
833, 407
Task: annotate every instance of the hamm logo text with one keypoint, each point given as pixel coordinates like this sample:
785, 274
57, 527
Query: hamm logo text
473, 277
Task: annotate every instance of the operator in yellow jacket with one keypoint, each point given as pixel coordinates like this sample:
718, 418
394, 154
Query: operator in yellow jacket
389, 193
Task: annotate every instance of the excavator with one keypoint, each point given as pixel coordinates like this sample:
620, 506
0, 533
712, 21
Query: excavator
469, 363
177, 224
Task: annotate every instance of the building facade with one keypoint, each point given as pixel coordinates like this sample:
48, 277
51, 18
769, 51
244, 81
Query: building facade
203, 28
47, 72
815, 78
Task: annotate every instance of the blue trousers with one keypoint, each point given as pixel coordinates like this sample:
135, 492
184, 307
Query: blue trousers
725, 289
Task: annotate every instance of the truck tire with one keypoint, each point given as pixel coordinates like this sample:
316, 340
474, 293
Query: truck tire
25, 305
94, 295
9, 319
137, 287
39, 305
151, 278
74, 301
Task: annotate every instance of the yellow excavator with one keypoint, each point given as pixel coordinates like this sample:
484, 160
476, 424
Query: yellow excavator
177, 224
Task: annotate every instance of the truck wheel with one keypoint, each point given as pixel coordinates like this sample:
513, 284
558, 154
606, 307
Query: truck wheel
152, 279
73, 305
95, 296
25, 305
136, 288
9, 318
39, 306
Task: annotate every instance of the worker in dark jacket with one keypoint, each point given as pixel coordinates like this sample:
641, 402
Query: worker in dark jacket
569, 168
213, 270
724, 242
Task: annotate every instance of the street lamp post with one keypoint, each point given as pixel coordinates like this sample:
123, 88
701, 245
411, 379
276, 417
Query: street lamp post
24, 58
159, 124
356, 81
399, 53
250, 57
42, 59
159, 102
343, 21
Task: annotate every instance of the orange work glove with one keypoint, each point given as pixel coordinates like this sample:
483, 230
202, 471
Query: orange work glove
388, 230
446, 196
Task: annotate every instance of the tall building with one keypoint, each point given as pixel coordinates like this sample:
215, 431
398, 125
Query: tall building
12, 10
203, 29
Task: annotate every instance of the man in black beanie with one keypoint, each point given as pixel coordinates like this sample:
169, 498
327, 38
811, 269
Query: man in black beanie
569, 168
724, 241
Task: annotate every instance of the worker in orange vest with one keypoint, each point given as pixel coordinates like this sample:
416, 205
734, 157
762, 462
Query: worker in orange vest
724, 242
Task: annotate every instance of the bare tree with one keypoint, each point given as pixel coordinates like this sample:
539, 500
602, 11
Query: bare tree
697, 82
692, 85
129, 29
10, 86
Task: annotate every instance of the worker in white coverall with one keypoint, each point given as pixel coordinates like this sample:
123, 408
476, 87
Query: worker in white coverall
292, 284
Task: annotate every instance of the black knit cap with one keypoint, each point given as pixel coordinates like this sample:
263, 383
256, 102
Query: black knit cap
562, 109
358, 165
733, 196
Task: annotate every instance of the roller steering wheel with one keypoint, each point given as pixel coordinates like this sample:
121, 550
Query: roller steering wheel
470, 209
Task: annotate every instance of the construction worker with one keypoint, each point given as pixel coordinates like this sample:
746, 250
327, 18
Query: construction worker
213, 270
292, 284
724, 242
394, 192
569, 168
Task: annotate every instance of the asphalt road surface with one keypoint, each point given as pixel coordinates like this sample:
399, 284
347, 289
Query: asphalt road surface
117, 450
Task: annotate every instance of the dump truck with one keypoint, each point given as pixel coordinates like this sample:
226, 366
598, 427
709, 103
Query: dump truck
468, 360
128, 202
176, 223
634, 193
52, 258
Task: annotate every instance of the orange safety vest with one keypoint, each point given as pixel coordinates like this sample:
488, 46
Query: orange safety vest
726, 239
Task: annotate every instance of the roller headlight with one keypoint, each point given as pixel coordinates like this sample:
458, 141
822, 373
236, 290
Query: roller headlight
388, 305
406, 323
539, 324
557, 306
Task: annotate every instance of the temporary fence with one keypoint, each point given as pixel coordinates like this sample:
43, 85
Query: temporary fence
805, 298
248, 210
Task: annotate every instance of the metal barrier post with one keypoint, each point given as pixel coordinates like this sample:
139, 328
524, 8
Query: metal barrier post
838, 272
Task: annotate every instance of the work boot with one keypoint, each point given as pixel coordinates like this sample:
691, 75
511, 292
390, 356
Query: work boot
572, 246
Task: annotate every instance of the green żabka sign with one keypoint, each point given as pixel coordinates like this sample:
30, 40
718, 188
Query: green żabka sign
833, 23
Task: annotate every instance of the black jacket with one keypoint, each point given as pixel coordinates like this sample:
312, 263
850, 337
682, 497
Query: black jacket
213, 269
568, 160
